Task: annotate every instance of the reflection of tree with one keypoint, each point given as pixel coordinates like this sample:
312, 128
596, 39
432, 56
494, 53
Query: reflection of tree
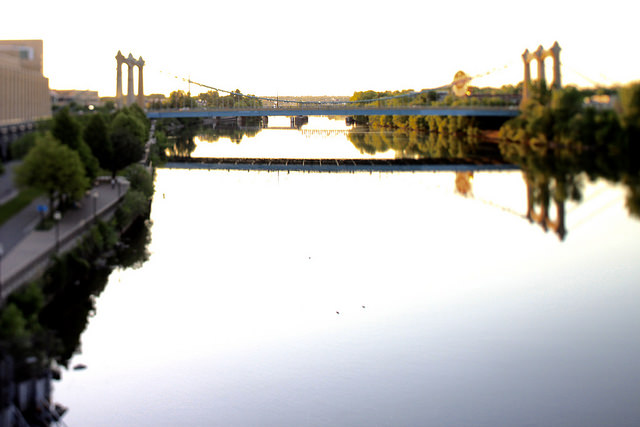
558, 174
182, 133
410, 144
68, 312
231, 130
565, 168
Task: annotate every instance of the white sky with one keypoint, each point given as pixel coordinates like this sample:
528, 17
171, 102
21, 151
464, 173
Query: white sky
317, 48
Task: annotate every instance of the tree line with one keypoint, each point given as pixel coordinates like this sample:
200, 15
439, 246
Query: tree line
212, 99
504, 96
67, 153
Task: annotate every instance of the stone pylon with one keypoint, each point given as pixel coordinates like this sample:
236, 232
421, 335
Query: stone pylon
140, 99
130, 64
131, 97
540, 55
120, 59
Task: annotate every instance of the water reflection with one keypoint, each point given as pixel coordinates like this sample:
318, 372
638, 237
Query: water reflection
334, 139
236, 308
68, 312
57, 318
553, 175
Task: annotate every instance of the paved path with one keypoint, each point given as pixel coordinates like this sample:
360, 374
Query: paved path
7, 188
28, 254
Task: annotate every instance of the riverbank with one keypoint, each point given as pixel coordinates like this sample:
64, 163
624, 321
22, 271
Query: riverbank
26, 259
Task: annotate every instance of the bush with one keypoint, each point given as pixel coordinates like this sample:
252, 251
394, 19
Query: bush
140, 179
134, 204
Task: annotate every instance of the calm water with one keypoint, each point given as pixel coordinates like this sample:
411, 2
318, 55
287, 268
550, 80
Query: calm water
453, 309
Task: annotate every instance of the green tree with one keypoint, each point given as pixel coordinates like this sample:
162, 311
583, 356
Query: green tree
127, 140
12, 323
54, 168
140, 179
67, 130
138, 113
96, 135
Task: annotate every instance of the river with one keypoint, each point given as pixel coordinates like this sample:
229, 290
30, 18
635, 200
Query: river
364, 299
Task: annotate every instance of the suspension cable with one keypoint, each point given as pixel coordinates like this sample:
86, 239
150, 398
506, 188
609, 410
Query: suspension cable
361, 101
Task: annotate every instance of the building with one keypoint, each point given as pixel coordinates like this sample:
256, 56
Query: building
79, 98
24, 91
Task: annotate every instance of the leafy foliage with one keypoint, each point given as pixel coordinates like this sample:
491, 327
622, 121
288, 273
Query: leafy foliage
96, 134
140, 179
55, 169
127, 139
68, 131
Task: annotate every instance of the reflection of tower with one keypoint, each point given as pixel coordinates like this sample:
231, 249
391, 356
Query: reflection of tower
542, 217
464, 183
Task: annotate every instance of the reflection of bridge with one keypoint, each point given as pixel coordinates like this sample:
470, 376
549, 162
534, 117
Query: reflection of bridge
338, 110
340, 165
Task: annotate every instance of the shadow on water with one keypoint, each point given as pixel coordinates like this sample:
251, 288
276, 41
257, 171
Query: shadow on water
68, 312
42, 325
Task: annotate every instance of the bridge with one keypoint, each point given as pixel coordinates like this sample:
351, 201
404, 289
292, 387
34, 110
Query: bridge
363, 107
338, 110
341, 165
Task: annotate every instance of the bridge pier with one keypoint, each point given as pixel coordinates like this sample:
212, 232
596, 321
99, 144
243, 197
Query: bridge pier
298, 121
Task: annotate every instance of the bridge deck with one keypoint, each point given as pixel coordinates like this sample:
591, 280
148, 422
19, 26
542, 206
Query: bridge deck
339, 165
339, 111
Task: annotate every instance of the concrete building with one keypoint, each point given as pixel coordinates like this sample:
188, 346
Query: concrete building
24, 91
81, 98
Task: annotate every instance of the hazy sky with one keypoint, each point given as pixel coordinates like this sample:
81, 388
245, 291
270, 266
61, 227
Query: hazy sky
330, 47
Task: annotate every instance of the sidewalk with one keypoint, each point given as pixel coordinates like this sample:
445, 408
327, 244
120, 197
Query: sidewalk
24, 259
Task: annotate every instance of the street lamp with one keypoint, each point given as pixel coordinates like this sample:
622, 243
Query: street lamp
95, 196
57, 216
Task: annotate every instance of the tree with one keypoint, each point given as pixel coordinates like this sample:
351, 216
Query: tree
96, 134
137, 112
67, 130
54, 168
127, 141
140, 179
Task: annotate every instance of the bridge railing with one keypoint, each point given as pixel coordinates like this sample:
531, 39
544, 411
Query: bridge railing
337, 110
350, 107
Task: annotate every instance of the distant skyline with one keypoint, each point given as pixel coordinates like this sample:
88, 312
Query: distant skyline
333, 48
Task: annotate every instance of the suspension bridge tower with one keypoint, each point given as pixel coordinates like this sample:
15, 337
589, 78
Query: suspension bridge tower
131, 98
540, 55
